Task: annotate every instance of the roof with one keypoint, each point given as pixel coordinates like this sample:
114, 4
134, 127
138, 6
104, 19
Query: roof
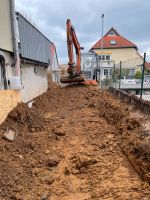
147, 66
29, 22
113, 40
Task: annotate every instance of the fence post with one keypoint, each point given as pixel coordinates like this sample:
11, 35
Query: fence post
142, 82
120, 75
114, 84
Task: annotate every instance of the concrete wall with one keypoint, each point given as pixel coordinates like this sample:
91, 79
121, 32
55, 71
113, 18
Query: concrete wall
8, 100
139, 104
34, 81
34, 78
5, 24
122, 54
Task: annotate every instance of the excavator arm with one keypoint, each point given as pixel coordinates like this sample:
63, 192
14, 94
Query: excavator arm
74, 69
72, 41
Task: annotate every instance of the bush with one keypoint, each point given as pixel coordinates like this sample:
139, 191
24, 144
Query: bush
138, 75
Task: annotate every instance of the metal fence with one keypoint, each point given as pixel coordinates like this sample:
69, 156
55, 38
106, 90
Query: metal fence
133, 76
145, 79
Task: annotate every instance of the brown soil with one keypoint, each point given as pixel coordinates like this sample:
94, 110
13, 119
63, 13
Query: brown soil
75, 143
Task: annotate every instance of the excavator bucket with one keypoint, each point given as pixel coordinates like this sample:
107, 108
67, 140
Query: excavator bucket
68, 79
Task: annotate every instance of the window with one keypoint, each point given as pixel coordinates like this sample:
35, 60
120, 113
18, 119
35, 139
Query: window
112, 33
104, 57
113, 42
110, 72
107, 57
105, 72
132, 72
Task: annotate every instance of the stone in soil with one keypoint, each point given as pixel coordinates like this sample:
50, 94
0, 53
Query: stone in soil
10, 135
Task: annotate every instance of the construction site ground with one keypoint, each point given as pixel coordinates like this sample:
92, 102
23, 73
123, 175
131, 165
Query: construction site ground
75, 143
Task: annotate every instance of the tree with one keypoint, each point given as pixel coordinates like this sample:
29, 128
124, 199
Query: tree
138, 75
125, 72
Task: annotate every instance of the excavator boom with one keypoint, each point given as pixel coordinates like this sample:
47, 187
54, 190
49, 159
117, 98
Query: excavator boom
74, 69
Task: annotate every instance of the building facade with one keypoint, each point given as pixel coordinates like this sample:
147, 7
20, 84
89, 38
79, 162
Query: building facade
35, 54
116, 48
25, 56
88, 65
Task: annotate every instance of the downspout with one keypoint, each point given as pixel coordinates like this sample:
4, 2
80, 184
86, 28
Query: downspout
14, 37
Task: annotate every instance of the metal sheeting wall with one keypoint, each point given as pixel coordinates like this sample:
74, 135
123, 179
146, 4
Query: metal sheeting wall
34, 45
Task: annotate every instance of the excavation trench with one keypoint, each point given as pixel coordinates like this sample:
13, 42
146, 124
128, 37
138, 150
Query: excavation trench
75, 143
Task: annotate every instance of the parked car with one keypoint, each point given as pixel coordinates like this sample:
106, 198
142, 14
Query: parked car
147, 78
128, 80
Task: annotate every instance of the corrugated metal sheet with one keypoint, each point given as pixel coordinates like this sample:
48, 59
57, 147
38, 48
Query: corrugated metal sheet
34, 45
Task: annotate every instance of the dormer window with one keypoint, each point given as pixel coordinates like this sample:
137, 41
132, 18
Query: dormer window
113, 42
111, 33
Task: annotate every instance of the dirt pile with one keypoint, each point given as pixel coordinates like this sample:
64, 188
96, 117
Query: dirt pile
134, 139
23, 119
69, 147
26, 118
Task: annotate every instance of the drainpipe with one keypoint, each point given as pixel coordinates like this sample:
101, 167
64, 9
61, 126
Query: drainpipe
14, 37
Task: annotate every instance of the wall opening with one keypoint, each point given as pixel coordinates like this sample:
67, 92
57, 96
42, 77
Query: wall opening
3, 80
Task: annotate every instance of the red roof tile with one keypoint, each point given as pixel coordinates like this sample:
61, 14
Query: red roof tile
121, 42
147, 66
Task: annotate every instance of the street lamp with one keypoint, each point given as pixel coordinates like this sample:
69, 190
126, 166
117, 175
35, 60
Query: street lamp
102, 44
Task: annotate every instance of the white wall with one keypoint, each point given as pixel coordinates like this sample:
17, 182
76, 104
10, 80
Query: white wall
55, 64
5, 24
87, 62
54, 68
34, 83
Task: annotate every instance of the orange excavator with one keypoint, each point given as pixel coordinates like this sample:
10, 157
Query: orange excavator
74, 69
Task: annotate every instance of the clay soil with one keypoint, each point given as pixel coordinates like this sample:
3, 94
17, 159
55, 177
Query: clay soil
75, 143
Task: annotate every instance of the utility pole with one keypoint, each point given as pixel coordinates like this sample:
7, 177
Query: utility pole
142, 83
100, 70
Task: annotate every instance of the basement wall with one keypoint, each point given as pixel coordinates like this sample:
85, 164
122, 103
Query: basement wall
8, 100
34, 81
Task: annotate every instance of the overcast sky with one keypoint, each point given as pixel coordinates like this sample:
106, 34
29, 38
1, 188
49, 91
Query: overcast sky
131, 18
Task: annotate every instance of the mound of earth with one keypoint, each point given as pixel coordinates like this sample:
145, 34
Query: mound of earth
75, 142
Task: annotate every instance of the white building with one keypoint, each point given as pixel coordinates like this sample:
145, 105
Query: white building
54, 66
92, 64
88, 65
25, 56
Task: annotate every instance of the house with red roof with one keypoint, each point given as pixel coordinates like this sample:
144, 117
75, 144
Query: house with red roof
114, 47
